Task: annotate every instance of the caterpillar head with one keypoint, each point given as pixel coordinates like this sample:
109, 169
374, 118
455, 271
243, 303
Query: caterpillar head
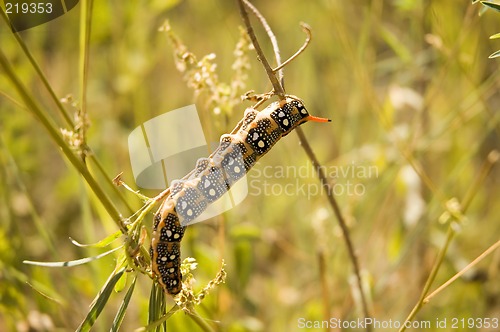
291, 113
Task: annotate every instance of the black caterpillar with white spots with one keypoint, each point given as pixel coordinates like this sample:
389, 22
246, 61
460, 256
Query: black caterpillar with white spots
237, 152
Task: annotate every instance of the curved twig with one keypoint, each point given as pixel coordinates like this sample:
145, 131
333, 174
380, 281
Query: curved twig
307, 29
303, 141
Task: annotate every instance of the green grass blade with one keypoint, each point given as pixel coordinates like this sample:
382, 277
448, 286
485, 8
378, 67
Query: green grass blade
40, 73
100, 302
60, 107
72, 263
117, 322
47, 292
495, 36
157, 305
495, 55
33, 106
121, 284
159, 325
101, 244
492, 5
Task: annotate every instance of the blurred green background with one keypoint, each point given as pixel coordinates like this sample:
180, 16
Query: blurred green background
414, 102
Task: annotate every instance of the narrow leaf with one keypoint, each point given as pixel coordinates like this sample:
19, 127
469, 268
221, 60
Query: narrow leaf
491, 5
121, 284
117, 322
100, 302
72, 263
495, 55
495, 36
157, 305
10, 272
101, 244
161, 321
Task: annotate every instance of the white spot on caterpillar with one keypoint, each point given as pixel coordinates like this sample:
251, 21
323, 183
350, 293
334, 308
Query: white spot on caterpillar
286, 122
237, 169
164, 259
261, 144
281, 114
189, 212
172, 257
169, 233
171, 270
184, 205
211, 192
207, 183
176, 235
255, 136
174, 282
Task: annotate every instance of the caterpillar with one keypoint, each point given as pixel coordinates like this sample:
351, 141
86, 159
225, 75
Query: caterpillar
237, 152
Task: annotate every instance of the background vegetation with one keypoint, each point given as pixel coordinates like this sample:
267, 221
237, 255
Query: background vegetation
411, 92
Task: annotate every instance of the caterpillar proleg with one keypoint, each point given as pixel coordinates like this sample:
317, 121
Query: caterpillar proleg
237, 152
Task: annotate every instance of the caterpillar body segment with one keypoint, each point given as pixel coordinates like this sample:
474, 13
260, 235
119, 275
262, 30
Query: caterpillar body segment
166, 248
236, 154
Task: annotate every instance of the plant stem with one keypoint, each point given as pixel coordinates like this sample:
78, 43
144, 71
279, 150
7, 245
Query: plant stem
278, 88
338, 214
486, 168
66, 117
53, 131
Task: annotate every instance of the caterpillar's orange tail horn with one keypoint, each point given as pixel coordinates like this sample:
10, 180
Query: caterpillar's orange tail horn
318, 119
